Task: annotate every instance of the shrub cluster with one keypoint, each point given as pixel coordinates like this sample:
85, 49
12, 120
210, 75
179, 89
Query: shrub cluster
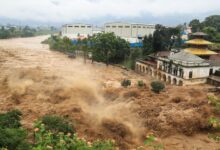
57, 124
46, 139
51, 132
12, 135
141, 83
157, 86
126, 83
214, 121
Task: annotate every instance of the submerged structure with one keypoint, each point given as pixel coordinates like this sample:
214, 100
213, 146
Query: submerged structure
195, 64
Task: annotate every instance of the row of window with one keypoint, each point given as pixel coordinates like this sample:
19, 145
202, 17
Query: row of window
129, 27
80, 26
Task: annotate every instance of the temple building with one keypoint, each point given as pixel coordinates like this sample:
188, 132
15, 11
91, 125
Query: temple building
195, 64
198, 46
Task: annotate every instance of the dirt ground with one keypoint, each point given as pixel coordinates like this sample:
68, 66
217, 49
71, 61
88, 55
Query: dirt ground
39, 81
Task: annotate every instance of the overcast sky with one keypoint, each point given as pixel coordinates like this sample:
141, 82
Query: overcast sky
100, 11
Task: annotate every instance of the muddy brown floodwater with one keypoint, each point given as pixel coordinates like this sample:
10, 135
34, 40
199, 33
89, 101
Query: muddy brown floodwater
39, 81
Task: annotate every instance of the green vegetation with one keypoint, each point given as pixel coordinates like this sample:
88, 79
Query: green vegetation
157, 86
51, 132
45, 139
57, 124
10, 119
151, 141
11, 32
135, 53
141, 84
126, 83
163, 39
60, 44
108, 48
12, 135
214, 121
211, 26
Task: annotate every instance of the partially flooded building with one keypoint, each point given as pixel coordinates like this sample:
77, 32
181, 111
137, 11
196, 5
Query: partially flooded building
195, 64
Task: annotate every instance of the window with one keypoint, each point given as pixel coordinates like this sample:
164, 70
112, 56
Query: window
70, 26
76, 26
113, 26
190, 74
107, 26
139, 26
127, 26
82, 26
120, 26
211, 72
88, 26
134, 26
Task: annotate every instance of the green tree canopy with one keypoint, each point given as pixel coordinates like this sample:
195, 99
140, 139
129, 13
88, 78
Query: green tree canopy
196, 25
108, 48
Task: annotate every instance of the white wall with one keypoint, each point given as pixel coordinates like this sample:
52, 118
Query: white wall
73, 30
127, 30
198, 72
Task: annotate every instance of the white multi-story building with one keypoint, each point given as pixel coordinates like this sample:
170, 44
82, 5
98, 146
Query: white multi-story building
78, 30
193, 65
129, 31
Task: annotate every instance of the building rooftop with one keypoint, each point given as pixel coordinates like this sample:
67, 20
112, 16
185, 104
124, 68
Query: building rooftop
129, 23
198, 42
199, 34
163, 54
199, 51
184, 56
214, 60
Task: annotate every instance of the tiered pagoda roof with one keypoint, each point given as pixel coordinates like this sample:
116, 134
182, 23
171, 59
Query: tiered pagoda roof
199, 46
198, 42
198, 51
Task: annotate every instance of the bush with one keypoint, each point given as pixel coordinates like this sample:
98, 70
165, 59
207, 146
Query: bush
126, 83
57, 124
214, 121
157, 86
12, 136
153, 143
141, 83
10, 119
60, 141
13, 139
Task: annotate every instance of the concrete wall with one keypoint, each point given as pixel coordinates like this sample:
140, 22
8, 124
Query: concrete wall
198, 72
127, 30
199, 76
74, 30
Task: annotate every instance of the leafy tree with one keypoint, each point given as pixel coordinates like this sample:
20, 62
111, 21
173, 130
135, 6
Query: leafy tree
57, 124
12, 136
196, 25
212, 32
126, 83
135, 53
148, 45
60, 44
157, 86
213, 21
13, 139
10, 119
108, 48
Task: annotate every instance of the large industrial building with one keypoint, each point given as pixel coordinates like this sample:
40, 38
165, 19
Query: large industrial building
130, 31
78, 30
